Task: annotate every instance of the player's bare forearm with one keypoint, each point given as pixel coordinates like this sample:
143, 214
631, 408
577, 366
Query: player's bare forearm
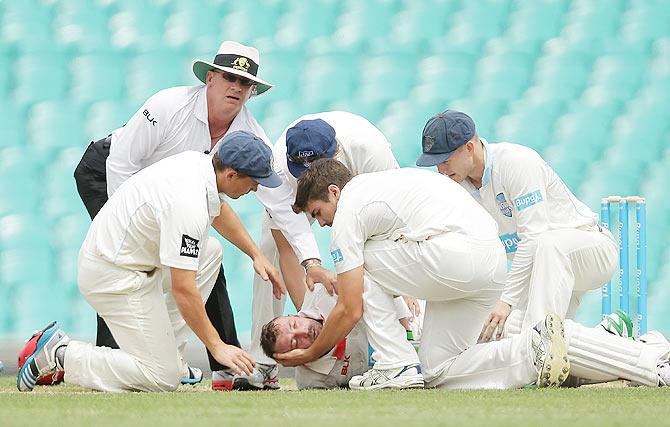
229, 226
292, 271
191, 307
346, 313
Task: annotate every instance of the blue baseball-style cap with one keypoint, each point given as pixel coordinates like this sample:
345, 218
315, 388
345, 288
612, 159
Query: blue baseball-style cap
443, 134
248, 154
307, 141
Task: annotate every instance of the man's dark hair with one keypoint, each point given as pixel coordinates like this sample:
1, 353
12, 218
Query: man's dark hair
219, 166
314, 182
269, 337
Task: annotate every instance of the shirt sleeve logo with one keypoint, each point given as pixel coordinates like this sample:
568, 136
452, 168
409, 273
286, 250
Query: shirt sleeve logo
528, 200
510, 241
337, 256
504, 207
189, 246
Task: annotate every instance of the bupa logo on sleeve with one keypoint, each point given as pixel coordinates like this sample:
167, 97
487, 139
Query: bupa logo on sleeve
510, 241
189, 246
528, 200
337, 256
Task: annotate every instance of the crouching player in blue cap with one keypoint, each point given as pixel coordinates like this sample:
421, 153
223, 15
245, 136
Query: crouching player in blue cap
557, 249
147, 264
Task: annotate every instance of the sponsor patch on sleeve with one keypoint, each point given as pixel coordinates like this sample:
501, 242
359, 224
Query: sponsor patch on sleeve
528, 200
510, 241
504, 207
189, 246
337, 256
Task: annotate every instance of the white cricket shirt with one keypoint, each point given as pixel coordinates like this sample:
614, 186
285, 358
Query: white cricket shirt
362, 148
171, 121
526, 198
406, 203
158, 217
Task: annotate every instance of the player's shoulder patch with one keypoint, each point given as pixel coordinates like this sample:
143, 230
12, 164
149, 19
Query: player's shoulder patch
504, 207
189, 246
337, 256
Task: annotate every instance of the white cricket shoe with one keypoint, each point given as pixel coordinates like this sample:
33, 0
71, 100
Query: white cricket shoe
664, 374
264, 377
194, 376
42, 360
399, 378
551, 352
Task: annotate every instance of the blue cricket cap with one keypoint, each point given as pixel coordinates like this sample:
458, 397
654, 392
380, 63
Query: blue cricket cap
248, 154
443, 134
306, 141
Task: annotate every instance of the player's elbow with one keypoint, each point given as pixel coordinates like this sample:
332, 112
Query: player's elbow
354, 311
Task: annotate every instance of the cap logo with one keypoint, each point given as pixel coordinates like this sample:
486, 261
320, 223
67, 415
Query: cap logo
242, 64
428, 142
305, 153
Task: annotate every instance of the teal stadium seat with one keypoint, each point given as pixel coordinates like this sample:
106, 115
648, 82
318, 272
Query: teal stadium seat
150, 72
249, 20
98, 77
35, 82
26, 25
444, 77
304, 21
484, 112
536, 21
195, 24
105, 116
528, 128
489, 17
53, 126
19, 181
360, 22
328, 78
399, 70
82, 24
410, 24
12, 131
137, 26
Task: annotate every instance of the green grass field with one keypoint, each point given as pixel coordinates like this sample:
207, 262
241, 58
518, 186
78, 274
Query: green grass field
588, 406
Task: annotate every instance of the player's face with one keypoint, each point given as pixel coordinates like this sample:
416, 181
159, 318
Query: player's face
459, 165
322, 211
296, 332
228, 91
238, 185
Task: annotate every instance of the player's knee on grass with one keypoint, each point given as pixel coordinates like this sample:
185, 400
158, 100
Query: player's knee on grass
166, 378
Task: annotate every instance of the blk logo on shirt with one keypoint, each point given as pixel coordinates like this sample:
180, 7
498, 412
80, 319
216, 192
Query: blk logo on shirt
189, 246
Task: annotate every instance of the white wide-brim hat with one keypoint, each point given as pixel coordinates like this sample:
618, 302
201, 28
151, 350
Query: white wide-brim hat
234, 58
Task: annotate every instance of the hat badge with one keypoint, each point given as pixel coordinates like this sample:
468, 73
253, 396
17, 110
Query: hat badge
428, 142
241, 63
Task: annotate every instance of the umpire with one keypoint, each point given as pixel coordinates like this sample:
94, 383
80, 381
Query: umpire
184, 118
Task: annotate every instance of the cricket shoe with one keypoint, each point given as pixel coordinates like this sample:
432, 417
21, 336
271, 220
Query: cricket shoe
263, 377
618, 323
656, 339
42, 361
194, 376
551, 352
222, 380
52, 378
399, 378
664, 374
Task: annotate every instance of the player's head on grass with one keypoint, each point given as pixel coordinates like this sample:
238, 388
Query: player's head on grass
285, 333
319, 190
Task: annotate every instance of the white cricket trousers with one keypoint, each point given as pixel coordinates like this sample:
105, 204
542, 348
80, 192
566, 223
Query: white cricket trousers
461, 279
144, 318
264, 306
567, 264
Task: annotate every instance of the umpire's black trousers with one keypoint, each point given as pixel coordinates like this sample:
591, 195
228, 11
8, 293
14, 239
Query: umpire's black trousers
91, 179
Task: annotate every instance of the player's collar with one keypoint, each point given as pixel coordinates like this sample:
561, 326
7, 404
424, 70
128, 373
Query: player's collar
201, 105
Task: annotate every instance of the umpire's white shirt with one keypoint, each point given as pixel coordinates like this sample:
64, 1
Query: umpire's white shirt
159, 217
171, 121
362, 148
526, 198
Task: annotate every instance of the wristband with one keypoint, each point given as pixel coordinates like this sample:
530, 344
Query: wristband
311, 263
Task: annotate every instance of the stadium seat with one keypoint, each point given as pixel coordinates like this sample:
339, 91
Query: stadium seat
35, 82
150, 72
98, 77
53, 126
325, 80
250, 20
360, 22
304, 21
105, 116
